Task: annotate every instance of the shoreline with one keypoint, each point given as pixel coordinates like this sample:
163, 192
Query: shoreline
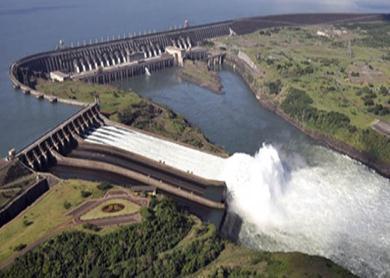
193, 76
322, 139
202, 85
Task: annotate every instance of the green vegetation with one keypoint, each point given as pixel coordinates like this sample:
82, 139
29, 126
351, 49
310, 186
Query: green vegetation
45, 217
99, 212
20, 247
14, 179
198, 72
274, 87
298, 105
104, 186
67, 205
91, 227
85, 193
335, 85
167, 243
237, 261
75, 254
128, 108
371, 35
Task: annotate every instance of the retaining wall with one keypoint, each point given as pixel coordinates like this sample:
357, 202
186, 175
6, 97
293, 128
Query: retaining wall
25, 199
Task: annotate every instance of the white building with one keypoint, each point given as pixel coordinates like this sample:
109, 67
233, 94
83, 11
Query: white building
59, 76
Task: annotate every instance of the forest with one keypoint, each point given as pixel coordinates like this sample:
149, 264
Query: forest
297, 105
137, 250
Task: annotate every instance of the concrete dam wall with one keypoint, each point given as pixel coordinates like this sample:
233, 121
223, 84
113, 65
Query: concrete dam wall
64, 148
64, 152
111, 60
25, 199
61, 139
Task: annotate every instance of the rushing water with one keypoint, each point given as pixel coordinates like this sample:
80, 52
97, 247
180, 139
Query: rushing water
292, 194
339, 210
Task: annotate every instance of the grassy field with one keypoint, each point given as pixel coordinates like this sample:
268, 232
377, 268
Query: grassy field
343, 69
130, 109
43, 217
98, 212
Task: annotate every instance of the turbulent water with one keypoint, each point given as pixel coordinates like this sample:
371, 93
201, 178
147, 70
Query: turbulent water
293, 195
327, 205
339, 210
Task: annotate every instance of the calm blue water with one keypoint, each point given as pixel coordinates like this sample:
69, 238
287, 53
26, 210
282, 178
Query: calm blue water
234, 120
30, 26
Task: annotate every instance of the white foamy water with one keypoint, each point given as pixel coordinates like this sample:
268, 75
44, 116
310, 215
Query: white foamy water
175, 155
335, 207
338, 209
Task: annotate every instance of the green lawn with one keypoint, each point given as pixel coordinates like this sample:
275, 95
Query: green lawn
98, 212
44, 216
111, 98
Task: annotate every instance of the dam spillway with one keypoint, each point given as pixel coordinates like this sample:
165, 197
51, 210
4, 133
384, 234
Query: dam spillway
298, 245
171, 154
89, 146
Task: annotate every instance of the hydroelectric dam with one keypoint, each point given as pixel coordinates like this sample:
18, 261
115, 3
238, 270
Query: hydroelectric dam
88, 145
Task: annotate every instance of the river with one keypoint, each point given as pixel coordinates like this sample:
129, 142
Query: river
292, 194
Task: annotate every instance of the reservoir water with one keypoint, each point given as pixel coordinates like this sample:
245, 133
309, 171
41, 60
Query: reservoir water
31, 26
293, 194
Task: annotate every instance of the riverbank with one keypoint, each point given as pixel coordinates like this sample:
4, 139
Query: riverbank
191, 239
198, 73
126, 107
298, 92
256, 262
326, 140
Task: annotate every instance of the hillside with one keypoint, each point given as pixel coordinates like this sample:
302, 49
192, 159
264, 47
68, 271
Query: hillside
167, 243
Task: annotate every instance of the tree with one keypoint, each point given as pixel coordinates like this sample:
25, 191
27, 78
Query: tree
104, 186
274, 87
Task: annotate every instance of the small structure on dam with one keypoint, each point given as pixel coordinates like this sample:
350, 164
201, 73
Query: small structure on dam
103, 62
88, 145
